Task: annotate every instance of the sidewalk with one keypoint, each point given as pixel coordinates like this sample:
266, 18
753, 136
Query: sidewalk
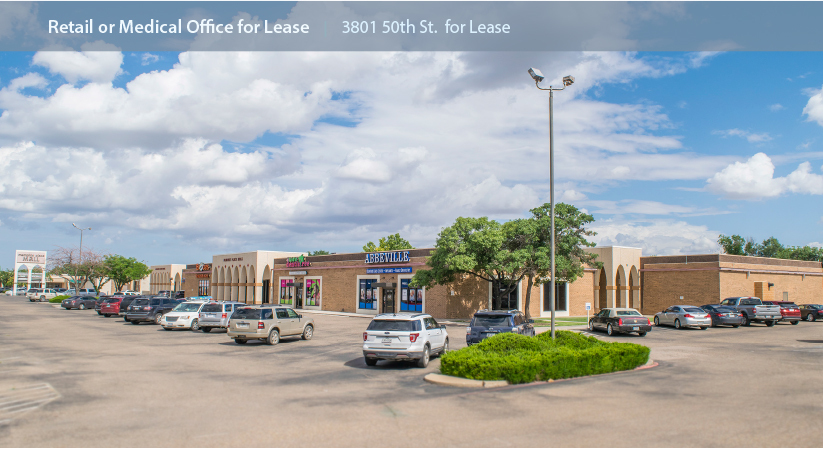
367, 315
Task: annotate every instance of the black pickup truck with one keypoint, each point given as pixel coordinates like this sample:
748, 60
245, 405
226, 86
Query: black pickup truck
150, 309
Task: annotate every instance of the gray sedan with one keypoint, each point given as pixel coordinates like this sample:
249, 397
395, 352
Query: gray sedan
683, 316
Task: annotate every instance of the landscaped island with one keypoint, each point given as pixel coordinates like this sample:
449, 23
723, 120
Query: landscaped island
520, 359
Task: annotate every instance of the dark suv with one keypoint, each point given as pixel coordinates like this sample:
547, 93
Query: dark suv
487, 323
150, 309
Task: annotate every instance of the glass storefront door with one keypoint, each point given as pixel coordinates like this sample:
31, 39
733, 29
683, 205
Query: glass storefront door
388, 300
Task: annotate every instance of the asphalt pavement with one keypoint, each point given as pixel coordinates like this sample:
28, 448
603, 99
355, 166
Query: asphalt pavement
73, 378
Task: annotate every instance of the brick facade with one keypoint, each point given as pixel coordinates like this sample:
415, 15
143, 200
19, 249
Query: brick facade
706, 279
340, 274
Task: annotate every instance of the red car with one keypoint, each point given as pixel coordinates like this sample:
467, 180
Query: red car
789, 310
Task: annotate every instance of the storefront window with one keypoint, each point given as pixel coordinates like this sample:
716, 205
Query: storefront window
411, 299
368, 294
286, 293
203, 287
312, 292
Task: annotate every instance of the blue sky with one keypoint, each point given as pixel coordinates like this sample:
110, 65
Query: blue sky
174, 157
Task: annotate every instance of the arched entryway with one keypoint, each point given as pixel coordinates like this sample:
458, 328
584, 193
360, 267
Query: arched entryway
602, 295
620, 287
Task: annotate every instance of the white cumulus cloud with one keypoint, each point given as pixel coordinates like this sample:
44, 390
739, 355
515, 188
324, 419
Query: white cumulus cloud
657, 237
754, 179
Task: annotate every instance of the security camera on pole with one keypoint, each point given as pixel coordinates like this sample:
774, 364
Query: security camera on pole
537, 76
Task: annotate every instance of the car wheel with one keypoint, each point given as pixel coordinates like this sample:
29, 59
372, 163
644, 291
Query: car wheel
677, 324
770, 323
746, 321
591, 326
308, 332
125, 319
205, 329
445, 346
42, 298
810, 318
99, 312
195, 325
274, 337
371, 361
609, 330
106, 315
240, 341
703, 328
795, 322
423, 362
157, 318
31, 299
656, 321
642, 334
166, 328
135, 322
82, 307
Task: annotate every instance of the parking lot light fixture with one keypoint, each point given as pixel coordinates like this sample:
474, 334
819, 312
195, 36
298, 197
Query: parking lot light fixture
76, 288
568, 80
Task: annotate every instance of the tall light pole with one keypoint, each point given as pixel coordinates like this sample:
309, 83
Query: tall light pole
537, 76
76, 288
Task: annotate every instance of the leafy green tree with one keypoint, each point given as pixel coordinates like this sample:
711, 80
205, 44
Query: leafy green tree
389, 243
531, 239
770, 248
475, 247
733, 245
122, 270
6, 277
319, 252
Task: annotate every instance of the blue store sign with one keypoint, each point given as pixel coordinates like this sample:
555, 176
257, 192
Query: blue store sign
388, 270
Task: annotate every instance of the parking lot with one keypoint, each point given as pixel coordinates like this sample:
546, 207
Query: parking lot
95, 381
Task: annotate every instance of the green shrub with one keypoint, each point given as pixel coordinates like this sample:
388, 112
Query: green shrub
520, 359
58, 299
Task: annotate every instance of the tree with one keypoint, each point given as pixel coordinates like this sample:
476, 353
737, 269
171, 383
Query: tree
733, 245
319, 252
389, 243
532, 238
66, 262
476, 247
6, 277
770, 248
122, 270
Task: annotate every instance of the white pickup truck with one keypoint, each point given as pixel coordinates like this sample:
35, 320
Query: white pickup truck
754, 310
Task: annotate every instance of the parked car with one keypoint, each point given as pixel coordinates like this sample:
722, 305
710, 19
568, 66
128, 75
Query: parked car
128, 293
79, 302
22, 291
151, 309
811, 312
216, 315
60, 290
268, 323
404, 336
179, 294
683, 316
117, 305
41, 294
723, 315
620, 320
486, 323
754, 310
789, 311
164, 293
185, 315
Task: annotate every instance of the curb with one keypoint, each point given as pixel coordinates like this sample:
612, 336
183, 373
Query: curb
452, 381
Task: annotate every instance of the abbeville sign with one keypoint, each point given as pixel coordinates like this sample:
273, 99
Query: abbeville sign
388, 257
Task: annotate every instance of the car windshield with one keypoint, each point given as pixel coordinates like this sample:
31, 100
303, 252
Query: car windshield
212, 308
628, 313
111, 300
393, 325
140, 302
188, 307
491, 321
246, 314
693, 310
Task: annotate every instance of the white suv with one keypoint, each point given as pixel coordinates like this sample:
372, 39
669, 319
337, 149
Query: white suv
41, 294
404, 336
184, 316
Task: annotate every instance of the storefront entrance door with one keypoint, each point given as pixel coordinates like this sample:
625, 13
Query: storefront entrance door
388, 300
266, 291
298, 296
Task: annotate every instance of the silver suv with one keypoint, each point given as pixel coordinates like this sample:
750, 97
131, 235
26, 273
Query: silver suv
216, 315
268, 323
404, 336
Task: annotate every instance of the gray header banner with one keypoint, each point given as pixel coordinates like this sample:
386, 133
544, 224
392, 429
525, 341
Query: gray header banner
411, 26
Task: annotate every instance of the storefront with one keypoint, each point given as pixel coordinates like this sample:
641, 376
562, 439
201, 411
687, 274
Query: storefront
246, 277
166, 278
197, 280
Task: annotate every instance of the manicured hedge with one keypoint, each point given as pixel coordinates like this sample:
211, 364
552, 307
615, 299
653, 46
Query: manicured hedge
521, 359
58, 299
